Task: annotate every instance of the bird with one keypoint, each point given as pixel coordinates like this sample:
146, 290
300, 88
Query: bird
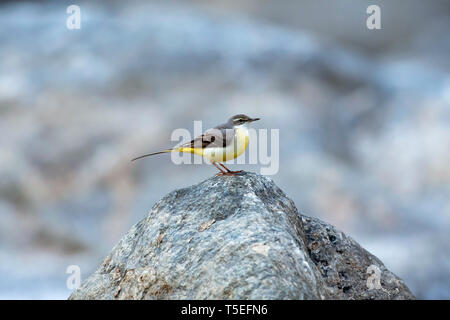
219, 144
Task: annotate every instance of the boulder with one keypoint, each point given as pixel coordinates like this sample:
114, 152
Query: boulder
237, 237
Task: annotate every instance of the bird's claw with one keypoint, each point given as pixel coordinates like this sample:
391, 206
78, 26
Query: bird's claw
230, 173
225, 174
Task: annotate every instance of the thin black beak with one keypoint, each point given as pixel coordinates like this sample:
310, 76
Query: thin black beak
254, 119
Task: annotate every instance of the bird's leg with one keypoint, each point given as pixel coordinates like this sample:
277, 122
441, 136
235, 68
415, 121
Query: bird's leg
221, 173
229, 171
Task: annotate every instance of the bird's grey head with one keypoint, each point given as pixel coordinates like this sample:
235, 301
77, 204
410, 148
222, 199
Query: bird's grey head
241, 119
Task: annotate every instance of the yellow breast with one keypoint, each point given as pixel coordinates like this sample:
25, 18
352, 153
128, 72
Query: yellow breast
241, 141
233, 150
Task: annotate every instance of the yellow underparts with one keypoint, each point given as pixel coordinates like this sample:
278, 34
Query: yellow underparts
233, 150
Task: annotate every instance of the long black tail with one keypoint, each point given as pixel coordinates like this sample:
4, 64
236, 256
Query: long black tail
152, 154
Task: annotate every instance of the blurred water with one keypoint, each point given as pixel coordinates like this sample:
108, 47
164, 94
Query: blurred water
365, 138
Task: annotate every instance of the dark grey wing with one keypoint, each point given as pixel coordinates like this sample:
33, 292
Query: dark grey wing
212, 138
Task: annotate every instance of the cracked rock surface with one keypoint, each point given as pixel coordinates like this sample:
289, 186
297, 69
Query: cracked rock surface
237, 237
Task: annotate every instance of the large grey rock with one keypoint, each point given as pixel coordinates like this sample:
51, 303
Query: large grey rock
237, 238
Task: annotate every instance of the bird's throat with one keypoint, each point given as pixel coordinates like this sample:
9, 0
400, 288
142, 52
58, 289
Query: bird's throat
241, 140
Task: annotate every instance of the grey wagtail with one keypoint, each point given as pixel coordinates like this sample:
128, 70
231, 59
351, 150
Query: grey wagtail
219, 144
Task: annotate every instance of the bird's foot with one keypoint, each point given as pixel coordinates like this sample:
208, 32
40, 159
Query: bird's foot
230, 173
225, 174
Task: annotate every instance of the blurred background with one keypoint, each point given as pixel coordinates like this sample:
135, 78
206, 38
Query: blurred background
364, 119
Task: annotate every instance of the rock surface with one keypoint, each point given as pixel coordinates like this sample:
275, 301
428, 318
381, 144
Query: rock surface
237, 238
